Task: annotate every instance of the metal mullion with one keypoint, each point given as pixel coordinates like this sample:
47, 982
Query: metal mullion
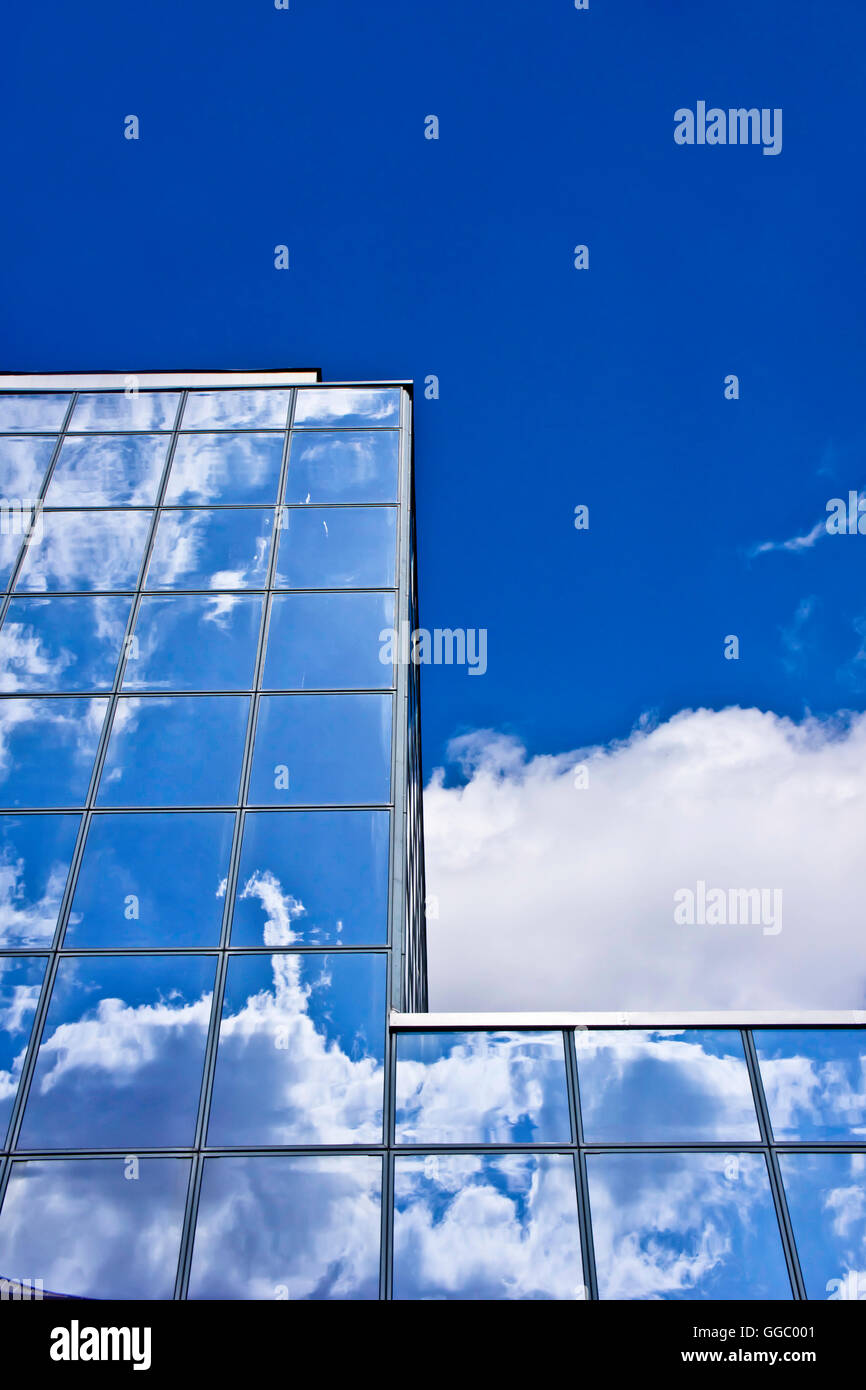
386, 1253
386, 1248
589, 1248
190, 1219
400, 733
212, 1042
783, 1217
573, 1083
46, 483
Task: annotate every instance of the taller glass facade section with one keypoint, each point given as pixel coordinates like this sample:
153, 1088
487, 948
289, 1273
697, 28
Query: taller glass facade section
207, 834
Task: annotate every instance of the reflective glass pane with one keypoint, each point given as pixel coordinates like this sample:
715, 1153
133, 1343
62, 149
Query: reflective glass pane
120, 1062
196, 642
32, 411
347, 406
62, 644
329, 641
344, 466
814, 1081
685, 1226
50, 746
85, 550
313, 878
226, 468
108, 470
288, 1228
827, 1205
20, 983
337, 548
481, 1088
319, 750
35, 854
183, 750
474, 1226
233, 409
10, 545
152, 880
301, 1051
23, 465
211, 550
667, 1087
115, 410
93, 1228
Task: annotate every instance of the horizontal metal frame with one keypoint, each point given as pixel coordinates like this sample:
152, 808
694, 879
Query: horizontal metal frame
710, 1018
102, 508
181, 593
43, 382
131, 692
223, 379
163, 431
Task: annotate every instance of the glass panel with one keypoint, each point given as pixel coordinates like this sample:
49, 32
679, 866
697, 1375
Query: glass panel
337, 548
685, 1226
32, 411
347, 406
481, 1088
62, 644
301, 1051
12, 532
23, 465
814, 1082
122, 1051
35, 854
322, 750
106, 470
329, 641
50, 746
194, 643
288, 1228
20, 983
827, 1205
115, 410
266, 409
226, 468
152, 880
313, 878
665, 1087
85, 550
473, 1226
344, 466
211, 550
183, 750
95, 1228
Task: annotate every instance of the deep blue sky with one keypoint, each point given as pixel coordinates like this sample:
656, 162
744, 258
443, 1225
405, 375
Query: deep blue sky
454, 257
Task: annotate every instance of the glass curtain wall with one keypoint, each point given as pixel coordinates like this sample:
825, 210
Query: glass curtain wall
202, 809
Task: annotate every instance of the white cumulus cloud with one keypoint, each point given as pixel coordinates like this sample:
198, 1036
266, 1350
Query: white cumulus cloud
557, 895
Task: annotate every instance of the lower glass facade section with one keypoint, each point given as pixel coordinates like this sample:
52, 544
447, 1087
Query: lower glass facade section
475, 1164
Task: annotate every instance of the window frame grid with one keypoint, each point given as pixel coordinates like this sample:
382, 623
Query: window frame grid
52, 954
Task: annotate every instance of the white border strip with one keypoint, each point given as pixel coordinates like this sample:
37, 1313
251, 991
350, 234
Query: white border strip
676, 1018
107, 381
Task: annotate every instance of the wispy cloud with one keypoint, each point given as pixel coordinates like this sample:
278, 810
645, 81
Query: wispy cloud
798, 543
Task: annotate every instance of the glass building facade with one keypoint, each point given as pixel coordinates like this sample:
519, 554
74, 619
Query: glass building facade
217, 1078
